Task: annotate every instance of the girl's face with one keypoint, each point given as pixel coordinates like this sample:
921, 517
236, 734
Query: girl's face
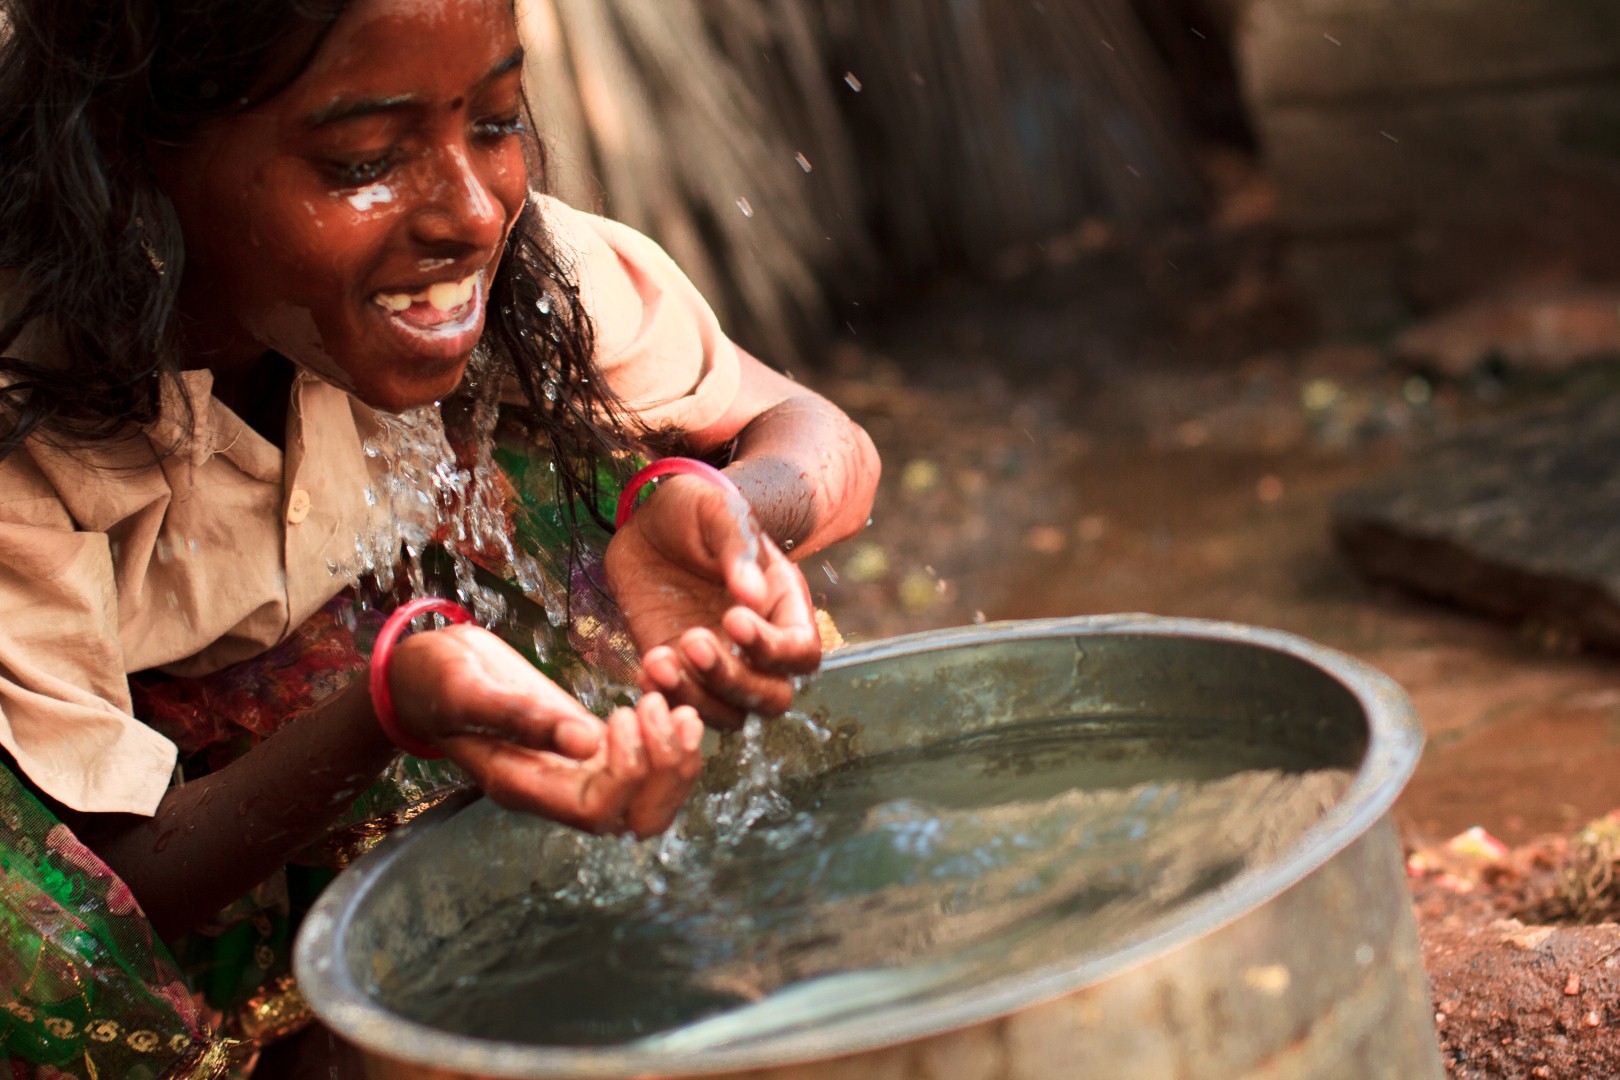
354, 221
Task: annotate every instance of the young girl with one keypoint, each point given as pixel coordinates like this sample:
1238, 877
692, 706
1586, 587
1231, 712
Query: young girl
238, 237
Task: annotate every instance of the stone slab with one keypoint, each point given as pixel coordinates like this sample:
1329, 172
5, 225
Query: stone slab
1296, 51
1517, 518
1536, 331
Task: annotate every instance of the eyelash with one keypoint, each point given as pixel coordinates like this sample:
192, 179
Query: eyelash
363, 173
503, 128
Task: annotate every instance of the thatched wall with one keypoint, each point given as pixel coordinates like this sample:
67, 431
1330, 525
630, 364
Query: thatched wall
792, 152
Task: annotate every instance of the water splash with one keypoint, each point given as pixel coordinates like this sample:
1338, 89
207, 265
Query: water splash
424, 494
744, 792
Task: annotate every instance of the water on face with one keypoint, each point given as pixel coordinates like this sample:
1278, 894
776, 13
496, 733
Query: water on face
775, 906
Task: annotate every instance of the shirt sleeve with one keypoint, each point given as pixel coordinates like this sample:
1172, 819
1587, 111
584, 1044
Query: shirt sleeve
65, 714
658, 343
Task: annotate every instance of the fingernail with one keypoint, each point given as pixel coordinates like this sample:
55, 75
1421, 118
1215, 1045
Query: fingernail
691, 734
579, 730
701, 652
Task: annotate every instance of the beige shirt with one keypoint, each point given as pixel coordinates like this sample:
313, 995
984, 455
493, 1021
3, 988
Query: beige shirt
115, 560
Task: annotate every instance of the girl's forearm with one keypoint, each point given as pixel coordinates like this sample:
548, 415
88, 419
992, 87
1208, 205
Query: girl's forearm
809, 472
215, 838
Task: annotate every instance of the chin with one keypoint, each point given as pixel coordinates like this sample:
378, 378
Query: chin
397, 396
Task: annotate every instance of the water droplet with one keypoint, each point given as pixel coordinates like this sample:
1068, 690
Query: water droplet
804, 162
543, 305
746, 207
852, 82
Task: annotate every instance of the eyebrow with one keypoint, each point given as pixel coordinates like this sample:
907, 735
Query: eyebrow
341, 108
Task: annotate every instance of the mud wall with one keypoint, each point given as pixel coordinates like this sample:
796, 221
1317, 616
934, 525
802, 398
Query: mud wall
1430, 150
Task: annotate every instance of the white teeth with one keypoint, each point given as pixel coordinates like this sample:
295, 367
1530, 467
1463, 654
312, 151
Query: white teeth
443, 296
449, 295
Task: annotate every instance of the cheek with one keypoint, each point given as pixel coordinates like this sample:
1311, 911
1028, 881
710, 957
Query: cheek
509, 182
304, 272
314, 248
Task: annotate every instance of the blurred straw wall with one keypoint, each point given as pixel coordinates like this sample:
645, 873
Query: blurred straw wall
791, 154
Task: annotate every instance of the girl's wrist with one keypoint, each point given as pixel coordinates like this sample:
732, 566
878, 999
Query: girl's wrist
666, 468
380, 682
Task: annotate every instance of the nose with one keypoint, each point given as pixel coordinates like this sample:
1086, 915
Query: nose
459, 207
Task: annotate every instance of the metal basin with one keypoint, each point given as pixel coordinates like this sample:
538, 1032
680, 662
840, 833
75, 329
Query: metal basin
1303, 966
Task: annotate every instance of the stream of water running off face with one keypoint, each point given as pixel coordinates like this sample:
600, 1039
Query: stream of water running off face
421, 494
424, 495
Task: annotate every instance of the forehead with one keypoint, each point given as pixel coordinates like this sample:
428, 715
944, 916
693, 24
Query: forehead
410, 46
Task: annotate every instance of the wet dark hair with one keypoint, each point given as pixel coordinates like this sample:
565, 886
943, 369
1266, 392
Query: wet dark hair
86, 87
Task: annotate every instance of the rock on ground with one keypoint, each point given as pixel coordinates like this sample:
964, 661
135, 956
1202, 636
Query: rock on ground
1517, 995
1518, 517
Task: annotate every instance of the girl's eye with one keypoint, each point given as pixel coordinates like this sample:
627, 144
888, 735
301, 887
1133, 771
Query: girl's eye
362, 173
501, 127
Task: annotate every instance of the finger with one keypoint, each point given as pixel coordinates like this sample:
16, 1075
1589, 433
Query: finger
790, 595
787, 604
626, 756
778, 650
694, 693
580, 739
654, 807
662, 669
538, 721
536, 782
658, 734
678, 740
464, 680
689, 733
732, 532
665, 671
728, 676
610, 791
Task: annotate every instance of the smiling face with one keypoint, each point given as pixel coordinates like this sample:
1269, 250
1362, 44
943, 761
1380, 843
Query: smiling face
353, 222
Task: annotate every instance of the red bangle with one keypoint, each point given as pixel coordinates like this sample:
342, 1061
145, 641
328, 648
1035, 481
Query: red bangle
382, 654
669, 466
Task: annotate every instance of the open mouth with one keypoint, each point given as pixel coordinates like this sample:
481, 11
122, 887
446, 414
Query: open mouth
442, 309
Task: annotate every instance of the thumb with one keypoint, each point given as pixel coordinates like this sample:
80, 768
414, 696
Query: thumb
552, 720
735, 535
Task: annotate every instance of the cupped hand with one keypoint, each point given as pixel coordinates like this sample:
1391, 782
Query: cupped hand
532, 747
723, 619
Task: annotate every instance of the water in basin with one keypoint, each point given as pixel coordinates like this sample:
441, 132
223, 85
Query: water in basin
775, 905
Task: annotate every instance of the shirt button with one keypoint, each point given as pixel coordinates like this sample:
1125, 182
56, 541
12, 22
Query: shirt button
297, 506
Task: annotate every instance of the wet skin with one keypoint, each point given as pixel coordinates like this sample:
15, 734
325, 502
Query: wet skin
367, 178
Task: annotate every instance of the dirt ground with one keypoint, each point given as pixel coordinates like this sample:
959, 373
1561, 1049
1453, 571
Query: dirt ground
1121, 423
